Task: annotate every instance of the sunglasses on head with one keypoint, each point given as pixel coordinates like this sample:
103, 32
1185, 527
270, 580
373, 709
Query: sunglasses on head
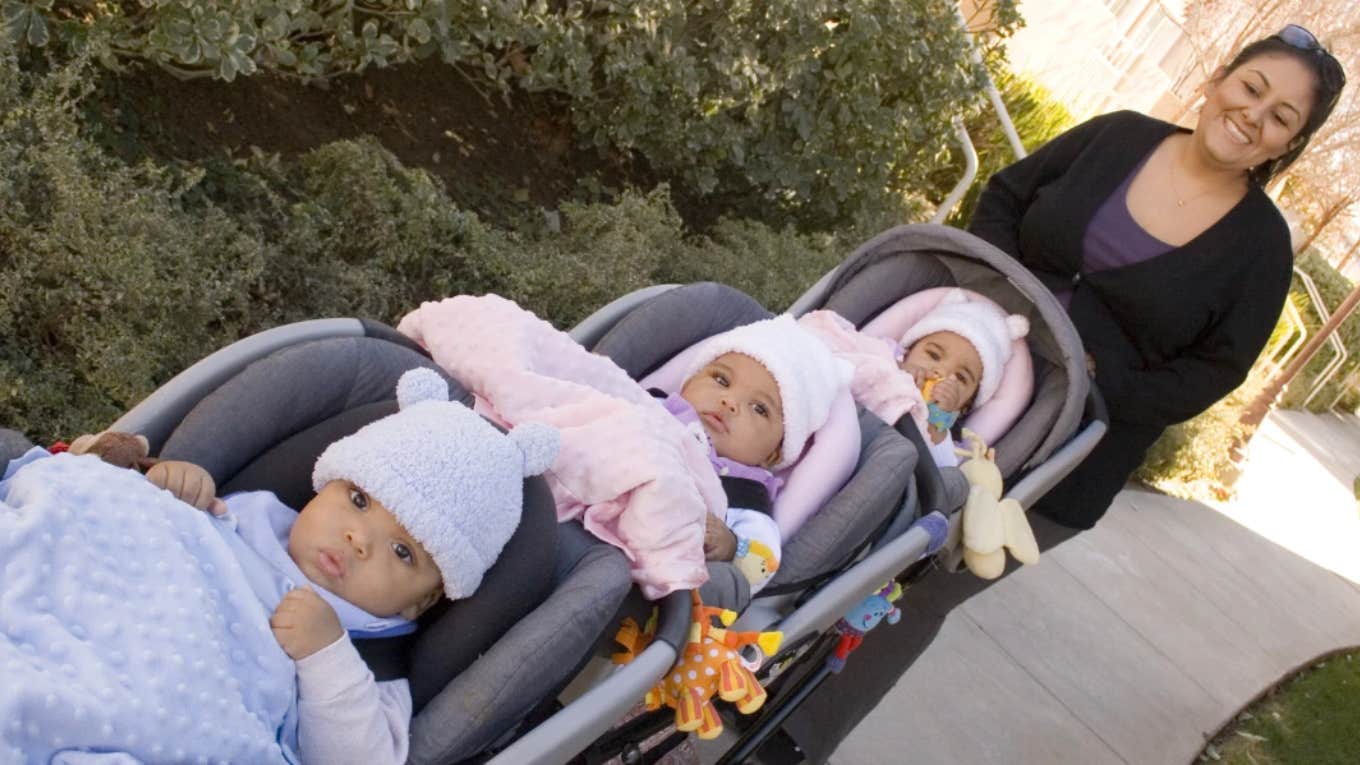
1297, 37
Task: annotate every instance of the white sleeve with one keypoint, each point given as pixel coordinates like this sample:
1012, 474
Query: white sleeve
755, 526
344, 715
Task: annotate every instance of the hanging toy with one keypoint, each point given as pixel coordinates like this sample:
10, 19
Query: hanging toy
868, 614
708, 665
991, 525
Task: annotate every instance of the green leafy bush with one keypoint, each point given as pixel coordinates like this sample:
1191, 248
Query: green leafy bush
1192, 458
108, 284
819, 111
1037, 116
113, 278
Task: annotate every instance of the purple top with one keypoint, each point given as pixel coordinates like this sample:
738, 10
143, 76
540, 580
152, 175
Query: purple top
687, 416
1114, 239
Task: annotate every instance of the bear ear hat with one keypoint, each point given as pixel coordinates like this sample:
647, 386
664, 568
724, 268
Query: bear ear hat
419, 385
537, 443
1017, 326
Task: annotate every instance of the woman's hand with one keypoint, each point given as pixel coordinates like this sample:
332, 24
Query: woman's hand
304, 623
719, 541
189, 483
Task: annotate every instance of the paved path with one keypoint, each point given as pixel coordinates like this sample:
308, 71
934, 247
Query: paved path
1135, 641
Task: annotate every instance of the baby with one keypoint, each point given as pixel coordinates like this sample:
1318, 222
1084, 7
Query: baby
410, 509
953, 358
956, 354
755, 394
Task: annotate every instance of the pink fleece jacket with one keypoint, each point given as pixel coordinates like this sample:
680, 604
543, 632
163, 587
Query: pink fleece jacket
626, 467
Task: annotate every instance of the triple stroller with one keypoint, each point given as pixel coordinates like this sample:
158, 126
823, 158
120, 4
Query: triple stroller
486, 673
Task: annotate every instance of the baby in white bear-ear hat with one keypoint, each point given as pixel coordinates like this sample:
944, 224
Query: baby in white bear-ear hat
953, 357
409, 510
956, 354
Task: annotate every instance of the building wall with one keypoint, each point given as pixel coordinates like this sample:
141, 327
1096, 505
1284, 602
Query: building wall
1103, 55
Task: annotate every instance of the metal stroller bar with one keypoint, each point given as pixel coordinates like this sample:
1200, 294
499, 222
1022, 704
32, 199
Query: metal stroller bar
561, 736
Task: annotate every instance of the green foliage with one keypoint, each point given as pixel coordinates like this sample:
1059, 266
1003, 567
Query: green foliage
1333, 287
1037, 116
846, 105
1191, 457
818, 111
113, 278
107, 283
602, 252
1309, 718
773, 266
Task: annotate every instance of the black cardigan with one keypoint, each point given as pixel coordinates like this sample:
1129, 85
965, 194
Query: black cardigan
1170, 335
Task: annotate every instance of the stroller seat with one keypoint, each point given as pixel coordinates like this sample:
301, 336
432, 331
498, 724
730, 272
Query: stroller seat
477, 667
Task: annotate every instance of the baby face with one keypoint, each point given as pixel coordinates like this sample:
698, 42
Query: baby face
739, 405
347, 542
950, 360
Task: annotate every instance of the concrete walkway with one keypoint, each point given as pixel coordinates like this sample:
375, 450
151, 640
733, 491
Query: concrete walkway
1134, 642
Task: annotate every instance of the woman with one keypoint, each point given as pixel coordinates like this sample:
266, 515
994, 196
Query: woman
1174, 266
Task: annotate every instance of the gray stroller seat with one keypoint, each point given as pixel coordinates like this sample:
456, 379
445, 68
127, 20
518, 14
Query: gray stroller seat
477, 667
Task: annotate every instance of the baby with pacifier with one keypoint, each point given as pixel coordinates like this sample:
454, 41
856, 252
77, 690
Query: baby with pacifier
946, 364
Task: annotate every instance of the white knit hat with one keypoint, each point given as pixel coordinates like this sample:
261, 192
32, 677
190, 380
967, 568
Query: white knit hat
982, 323
452, 480
808, 376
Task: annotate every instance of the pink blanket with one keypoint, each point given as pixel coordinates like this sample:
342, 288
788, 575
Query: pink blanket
878, 385
626, 468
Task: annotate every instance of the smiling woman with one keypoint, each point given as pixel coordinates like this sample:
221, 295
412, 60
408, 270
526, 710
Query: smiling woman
1173, 264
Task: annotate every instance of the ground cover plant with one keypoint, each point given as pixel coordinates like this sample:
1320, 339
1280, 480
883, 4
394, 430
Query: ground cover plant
833, 117
116, 276
1310, 718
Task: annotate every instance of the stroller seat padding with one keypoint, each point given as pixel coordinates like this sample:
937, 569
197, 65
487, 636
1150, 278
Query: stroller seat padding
665, 325
545, 649
286, 392
867, 502
276, 417
12, 444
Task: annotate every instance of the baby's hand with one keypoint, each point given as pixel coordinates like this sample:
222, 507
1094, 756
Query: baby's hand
304, 623
948, 394
189, 483
719, 541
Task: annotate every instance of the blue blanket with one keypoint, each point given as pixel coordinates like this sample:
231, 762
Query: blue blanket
127, 626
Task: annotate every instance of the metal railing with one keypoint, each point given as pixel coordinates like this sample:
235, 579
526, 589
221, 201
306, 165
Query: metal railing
1334, 365
1297, 336
970, 157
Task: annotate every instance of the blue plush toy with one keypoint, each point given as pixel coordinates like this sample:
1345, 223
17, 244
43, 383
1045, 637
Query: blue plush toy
864, 617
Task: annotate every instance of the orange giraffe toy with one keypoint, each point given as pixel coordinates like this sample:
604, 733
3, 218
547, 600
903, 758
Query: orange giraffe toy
709, 665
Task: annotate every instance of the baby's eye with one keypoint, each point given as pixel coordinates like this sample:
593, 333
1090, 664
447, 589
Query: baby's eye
403, 552
721, 379
358, 499
762, 410
961, 377
934, 355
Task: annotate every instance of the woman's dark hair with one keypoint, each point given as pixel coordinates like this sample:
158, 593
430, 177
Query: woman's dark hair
1328, 80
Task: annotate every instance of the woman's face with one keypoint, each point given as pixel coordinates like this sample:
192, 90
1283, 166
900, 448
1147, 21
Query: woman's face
1253, 113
